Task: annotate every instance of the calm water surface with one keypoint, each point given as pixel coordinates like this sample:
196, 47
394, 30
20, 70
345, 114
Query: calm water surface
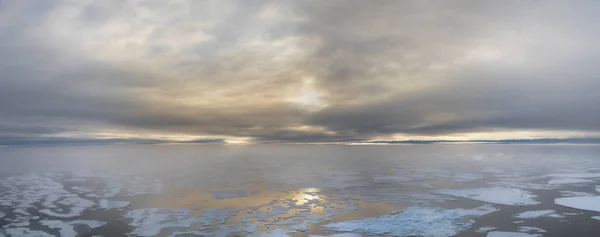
295, 190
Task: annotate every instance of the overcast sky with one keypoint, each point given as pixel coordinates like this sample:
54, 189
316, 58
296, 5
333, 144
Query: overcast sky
299, 71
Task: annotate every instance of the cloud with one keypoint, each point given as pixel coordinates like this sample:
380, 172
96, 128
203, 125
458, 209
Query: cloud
297, 71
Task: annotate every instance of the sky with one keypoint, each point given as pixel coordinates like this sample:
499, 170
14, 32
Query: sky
298, 71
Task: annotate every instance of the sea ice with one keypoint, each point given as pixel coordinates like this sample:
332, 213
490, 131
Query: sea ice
485, 229
224, 194
221, 214
590, 203
576, 175
24, 232
150, 221
412, 221
497, 195
530, 229
534, 214
596, 217
76, 207
510, 234
568, 181
337, 235
68, 228
574, 194
112, 204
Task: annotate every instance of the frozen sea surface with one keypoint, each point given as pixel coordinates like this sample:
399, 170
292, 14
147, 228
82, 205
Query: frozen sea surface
300, 190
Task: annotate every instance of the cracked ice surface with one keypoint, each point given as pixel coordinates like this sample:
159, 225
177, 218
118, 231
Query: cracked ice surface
413, 221
68, 228
506, 196
535, 214
510, 234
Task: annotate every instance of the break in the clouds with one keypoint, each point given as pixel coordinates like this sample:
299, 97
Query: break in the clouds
299, 71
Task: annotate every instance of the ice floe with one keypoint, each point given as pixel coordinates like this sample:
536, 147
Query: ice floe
510, 234
224, 194
575, 194
419, 221
596, 217
76, 207
530, 229
150, 221
485, 229
337, 235
568, 181
68, 228
589, 203
497, 195
112, 204
13, 232
535, 214
576, 175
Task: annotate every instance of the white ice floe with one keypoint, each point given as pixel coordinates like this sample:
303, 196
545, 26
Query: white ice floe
420, 221
596, 217
575, 194
530, 229
479, 211
75, 205
150, 221
497, 195
12, 232
485, 229
337, 235
568, 181
68, 228
224, 194
535, 214
576, 175
112, 204
589, 203
510, 234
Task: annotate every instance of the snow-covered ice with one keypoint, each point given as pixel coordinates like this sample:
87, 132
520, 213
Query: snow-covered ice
68, 228
568, 181
24, 232
112, 204
596, 217
530, 229
575, 194
576, 175
420, 221
534, 214
150, 221
510, 234
338, 235
497, 195
589, 203
485, 229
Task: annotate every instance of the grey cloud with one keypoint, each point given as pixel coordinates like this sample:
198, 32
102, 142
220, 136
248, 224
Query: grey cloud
383, 67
